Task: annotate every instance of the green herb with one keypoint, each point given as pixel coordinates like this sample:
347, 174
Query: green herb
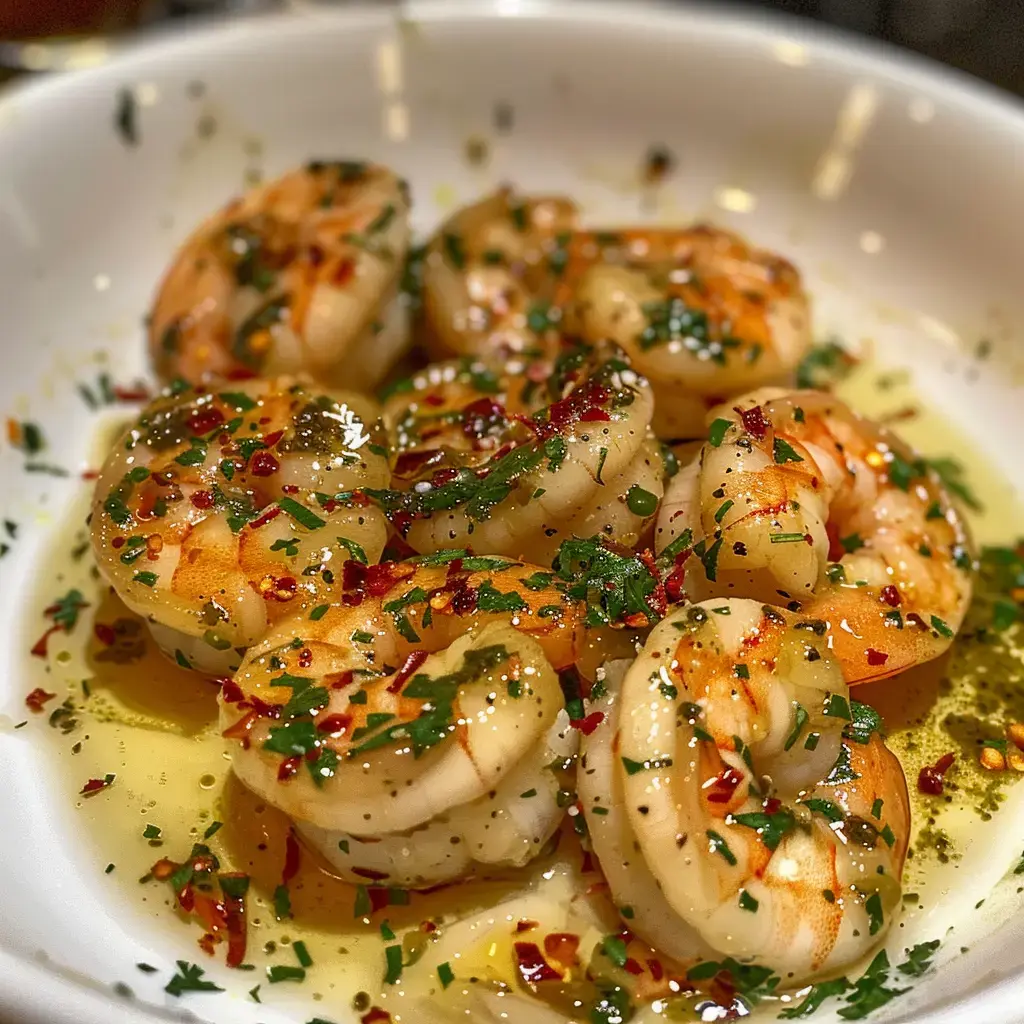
817, 995
282, 972
212, 829
641, 502
800, 717
836, 706
64, 611
722, 510
491, 600
393, 958
302, 515
125, 121
238, 400
873, 905
748, 902
919, 958
824, 365
234, 885
454, 250
784, 452
614, 947
826, 808
302, 954
851, 543
864, 720
720, 846
445, 974
716, 432
786, 538
612, 586
770, 827
151, 832
147, 579
869, 991
842, 771
941, 628
751, 981
356, 553
633, 767
319, 612
189, 979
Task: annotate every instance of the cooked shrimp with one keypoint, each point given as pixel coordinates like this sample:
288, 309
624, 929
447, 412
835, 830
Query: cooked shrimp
488, 270
472, 471
212, 516
299, 275
384, 768
763, 806
796, 500
699, 312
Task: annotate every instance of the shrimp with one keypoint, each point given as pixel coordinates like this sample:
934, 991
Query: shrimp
487, 270
473, 471
299, 275
419, 773
213, 517
757, 808
699, 312
796, 500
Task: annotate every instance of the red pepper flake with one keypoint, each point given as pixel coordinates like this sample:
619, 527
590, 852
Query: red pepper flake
891, 596
204, 420
271, 513
876, 657
723, 786
412, 662
340, 680
633, 966
480, 417
305, 658
343, 272
754, 422
273, 437
39, 647
38, 698
202, 499
90, 474
525, 925
657, 971
594, 416
333, 725
263, 463
288, 767
590, 723
136, 393
290, 488
930, 779
531, 964
408, 464
562, 947
375, 1016
291, 858
231, 691
96, 785
117, 543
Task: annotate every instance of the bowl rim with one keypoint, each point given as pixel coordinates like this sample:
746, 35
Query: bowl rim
40, 991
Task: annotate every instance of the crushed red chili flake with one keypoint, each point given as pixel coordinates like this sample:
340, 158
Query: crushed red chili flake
531, 964
412, 662
754, 421
375, 1016
930, 779
876, 657
38, 698
657, 971
333, 725
633, 966
288, 767
273, 437
263, 464
90, 474
891, 596
562, 947
97, 785
39, 648
271, 513
291, 858
136, 393
723, 786
205, 419
305, 658
590, 723
202, 499
231, 691
526, 925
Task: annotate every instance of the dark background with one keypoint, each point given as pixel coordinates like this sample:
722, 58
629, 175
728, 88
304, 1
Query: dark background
983, 37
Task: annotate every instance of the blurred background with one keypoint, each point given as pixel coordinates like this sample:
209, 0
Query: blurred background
983, 37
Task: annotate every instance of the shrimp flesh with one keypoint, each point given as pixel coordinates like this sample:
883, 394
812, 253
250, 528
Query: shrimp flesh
419, 772
699, 312
796, 500
213, 515
472, 467
487, 270
298, 275
757, 808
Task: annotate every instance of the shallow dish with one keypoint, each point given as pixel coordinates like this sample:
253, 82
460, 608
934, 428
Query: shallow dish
895, 187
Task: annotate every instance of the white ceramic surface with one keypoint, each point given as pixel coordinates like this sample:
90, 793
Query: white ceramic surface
894, 186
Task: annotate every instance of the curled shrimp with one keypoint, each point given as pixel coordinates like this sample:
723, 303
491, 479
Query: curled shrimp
298, 275
213, 517
487, 270
407, 730
797, 500
759, 810
699, 312
473, 467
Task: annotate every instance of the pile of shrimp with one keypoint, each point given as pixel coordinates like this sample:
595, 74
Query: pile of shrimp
596, 432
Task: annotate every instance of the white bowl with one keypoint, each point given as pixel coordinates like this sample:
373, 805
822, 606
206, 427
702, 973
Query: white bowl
894, 185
